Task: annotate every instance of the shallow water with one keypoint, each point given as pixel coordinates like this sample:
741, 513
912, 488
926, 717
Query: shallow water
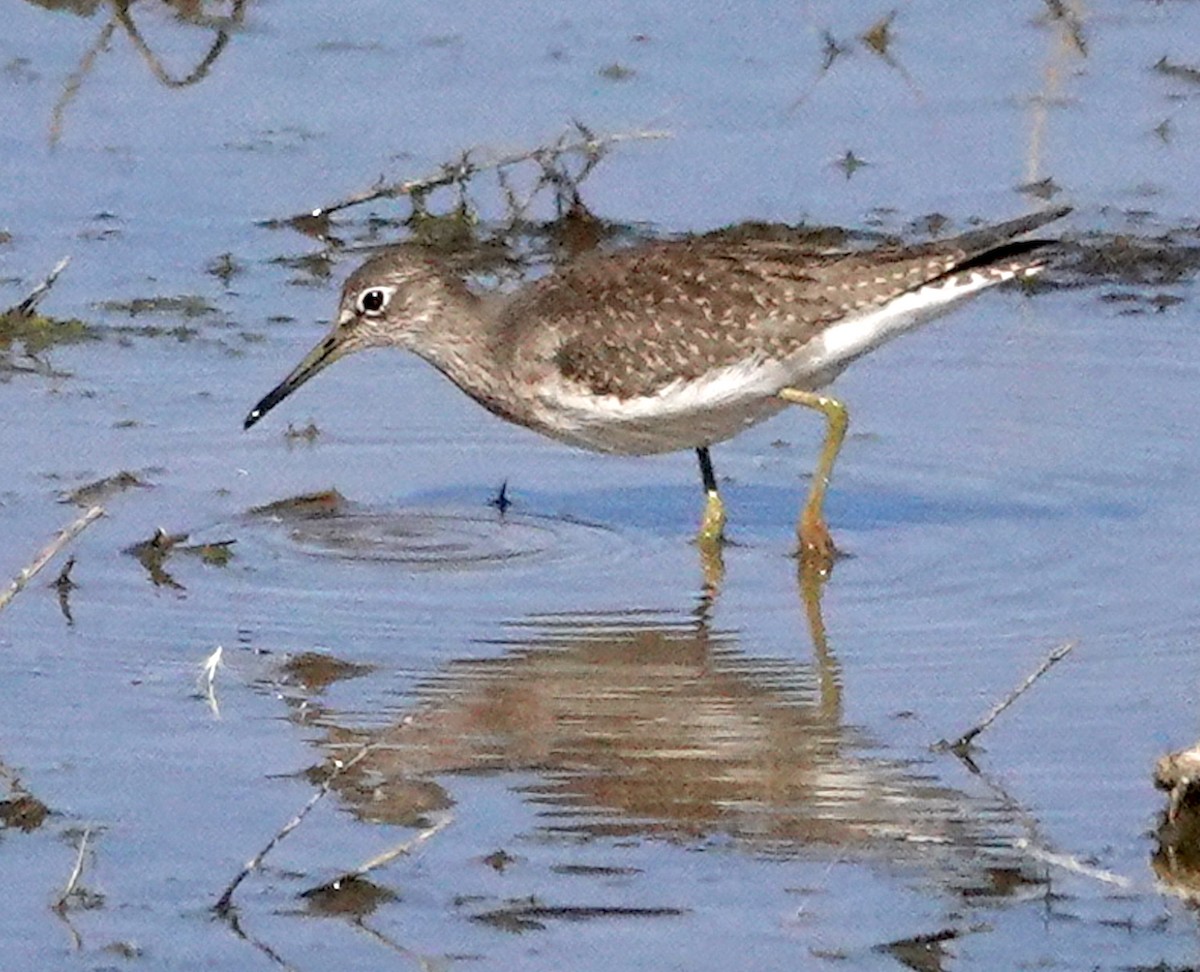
630, 769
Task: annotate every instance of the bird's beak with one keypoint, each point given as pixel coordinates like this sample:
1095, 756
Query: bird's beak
324, 354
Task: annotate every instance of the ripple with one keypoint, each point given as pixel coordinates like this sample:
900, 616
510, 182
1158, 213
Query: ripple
427, 539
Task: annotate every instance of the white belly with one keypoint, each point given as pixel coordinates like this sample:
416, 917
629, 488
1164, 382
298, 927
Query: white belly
681, 415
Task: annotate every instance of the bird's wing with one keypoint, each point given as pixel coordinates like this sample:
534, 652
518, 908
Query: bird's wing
630, 322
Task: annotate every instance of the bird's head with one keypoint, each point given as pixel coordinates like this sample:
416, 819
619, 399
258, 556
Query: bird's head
388, 302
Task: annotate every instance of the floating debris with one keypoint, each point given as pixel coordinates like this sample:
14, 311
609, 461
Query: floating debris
1182, 72
23, 812
531, 915
354, 897
501, 501
225, 267
315, 672
309, 433
185, 305
328, 502
103, 489
499, 860
850, 163
1041, 189
26, 307
616, 72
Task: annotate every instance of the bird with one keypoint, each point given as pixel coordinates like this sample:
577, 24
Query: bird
671, 345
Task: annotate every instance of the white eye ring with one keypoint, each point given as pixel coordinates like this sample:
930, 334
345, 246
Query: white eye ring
373, 301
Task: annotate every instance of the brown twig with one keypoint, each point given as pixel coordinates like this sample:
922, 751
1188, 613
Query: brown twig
1071, 20
197, 73
64, 537
277, 959
26, 307
586, 143
962, 745
75, 81
224, 903
122, 17
63, 581
64, 585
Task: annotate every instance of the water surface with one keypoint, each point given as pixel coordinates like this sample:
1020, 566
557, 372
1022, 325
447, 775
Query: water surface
633, 769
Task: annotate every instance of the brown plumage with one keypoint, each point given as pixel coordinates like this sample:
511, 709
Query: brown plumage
670, 345
631, 322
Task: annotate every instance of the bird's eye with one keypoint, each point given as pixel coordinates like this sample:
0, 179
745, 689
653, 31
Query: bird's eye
373, 300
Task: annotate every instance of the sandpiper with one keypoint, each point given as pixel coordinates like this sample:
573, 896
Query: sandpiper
670, 345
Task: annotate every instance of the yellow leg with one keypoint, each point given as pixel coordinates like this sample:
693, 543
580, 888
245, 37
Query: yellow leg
815, 542
711, 538
712, 564
712, 526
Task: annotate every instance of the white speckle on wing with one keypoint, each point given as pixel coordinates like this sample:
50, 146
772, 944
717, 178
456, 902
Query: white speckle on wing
687, 413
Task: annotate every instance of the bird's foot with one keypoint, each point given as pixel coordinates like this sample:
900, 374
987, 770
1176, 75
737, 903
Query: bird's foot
711, 541
712, 525
816, 550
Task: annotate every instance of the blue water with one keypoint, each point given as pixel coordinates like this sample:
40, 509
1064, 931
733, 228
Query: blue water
1019, 474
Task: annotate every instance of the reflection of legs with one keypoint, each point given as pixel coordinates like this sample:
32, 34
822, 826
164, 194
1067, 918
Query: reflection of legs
829, 674
712, 526
815, 541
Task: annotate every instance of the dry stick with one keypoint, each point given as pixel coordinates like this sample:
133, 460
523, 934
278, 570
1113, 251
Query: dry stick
1035, 845
63, 581
236, 926
208, 678
151, 59
75, 81
424, 962
589, 144
963, 742
25, 307
76, 873
64, 537
1069, 862
379, 860
223, 904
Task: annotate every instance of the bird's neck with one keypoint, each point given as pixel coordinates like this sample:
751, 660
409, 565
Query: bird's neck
469, 350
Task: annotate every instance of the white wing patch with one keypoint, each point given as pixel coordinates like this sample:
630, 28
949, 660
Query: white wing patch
854, 336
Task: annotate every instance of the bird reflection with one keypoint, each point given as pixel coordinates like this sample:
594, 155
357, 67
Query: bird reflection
639, 724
